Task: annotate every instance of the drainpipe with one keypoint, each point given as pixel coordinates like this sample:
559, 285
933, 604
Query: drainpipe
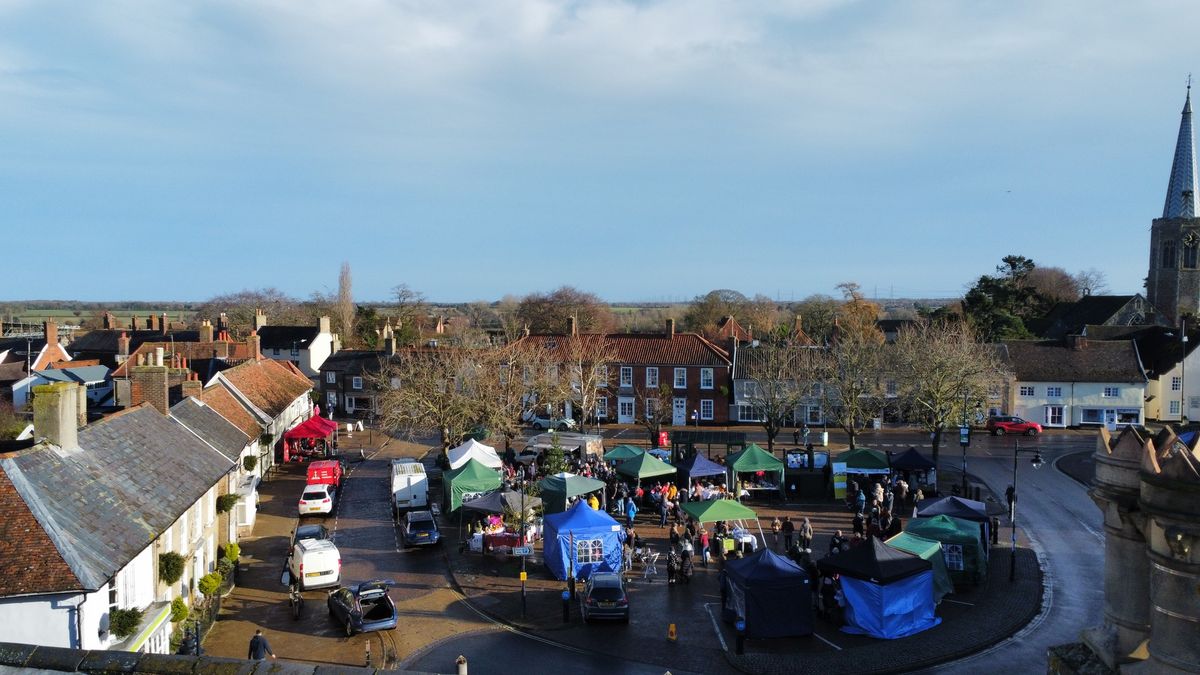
79, 620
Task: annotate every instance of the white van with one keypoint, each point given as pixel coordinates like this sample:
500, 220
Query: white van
316, 563
410, 488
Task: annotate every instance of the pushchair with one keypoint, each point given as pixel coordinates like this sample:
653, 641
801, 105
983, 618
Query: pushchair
648, 559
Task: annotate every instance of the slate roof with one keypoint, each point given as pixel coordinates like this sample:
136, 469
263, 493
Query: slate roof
270, 385
680, 349
1069, 318
17, 348
12, 372
25, 549
283, 337
210, 426
134, 475
220, 400
1160, 348
104, 341
1054, 361
355, 362
83, 374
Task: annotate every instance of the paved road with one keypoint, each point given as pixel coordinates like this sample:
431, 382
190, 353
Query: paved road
502, 652
1066, 530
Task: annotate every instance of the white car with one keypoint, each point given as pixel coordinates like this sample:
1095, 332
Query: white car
317, 499
315, 563
546, 422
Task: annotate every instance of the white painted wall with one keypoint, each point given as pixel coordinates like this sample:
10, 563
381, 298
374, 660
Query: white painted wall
42, 619
310, 358
1076, 398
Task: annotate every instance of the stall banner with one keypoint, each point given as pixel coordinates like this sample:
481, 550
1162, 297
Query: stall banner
839, 480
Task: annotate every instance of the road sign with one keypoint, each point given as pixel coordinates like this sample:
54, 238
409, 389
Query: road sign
522, 550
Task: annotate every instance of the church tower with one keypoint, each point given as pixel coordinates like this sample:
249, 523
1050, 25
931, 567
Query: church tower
1173, 284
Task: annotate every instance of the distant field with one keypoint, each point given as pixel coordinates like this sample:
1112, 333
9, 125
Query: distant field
122, 316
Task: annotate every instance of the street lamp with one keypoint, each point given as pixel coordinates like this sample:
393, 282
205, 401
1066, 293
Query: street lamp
1036, 462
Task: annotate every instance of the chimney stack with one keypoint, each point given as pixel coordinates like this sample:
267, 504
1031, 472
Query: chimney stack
389, 340
572, 326
206, 331
222, 323
191, 386
324, 324
133, 322
260, 319
107, 321
1077, 342
158, 356
50, 330
149, 385
54, 414
670, 328
123, 345
81, 405
255, 343
162, 323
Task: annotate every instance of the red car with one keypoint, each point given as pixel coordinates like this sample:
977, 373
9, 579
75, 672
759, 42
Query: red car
999, 425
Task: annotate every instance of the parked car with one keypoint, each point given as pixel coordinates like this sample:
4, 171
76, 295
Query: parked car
419, 528
317, 499
364, 607
604, 597
314, 532
315, 564
410, 487
999, 425
546, 422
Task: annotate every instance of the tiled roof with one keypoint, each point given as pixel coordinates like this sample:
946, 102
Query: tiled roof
104, 341
749, 359
11, 372
1069, 318
1054, 361
32, 564
355, 362
1160, 348
210, 426
283, 337
270, 385
226, 405
680, 349
728, 327
135, 474
192, 351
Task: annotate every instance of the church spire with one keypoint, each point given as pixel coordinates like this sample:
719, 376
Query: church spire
1181, 190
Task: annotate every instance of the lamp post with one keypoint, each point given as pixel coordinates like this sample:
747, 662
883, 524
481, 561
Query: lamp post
1036, 462
964, 439
1183, 410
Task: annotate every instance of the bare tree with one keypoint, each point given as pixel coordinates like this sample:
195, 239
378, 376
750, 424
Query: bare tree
817, 313
509, 318
657, 411
586, 359
507, 386
942, 374
281, 309
410, 312
778, 379
431, 392
1091, 282
346, 310
548, 313
853, 366
1053, 284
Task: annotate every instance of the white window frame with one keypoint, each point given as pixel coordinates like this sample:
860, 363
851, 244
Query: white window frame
275, 351
601, 376
593, 550
1173, 407
1051, 411
706, 378
331, 377
652, 382
1053, 392
1027, 390
331, 398
680, 378
602, 408
891, 388
1176, 383
626, 376
706, 409
356, 383
1111, 392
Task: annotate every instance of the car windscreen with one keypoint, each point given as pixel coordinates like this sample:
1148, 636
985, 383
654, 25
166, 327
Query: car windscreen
421, 525
606, 593
314, 496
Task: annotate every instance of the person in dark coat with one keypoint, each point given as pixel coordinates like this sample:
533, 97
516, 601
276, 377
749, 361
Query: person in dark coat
259, 647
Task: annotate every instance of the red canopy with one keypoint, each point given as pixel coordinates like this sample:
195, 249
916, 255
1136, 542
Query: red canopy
313, 427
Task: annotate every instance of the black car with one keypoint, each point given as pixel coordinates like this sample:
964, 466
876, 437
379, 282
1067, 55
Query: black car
364, 607
604, 597
419, 528
315, 531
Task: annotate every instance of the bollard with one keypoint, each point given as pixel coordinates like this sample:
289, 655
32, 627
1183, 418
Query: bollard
566, 597
571, 587
739, 646
461, 662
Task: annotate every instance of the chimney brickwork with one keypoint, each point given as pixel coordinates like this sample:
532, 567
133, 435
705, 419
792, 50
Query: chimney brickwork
149, 384
54, 414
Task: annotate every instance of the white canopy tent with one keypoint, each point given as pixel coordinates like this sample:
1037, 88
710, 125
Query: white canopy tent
473, 449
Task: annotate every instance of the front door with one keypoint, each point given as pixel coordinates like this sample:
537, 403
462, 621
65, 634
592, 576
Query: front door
1054, 416
625, 410
679, 412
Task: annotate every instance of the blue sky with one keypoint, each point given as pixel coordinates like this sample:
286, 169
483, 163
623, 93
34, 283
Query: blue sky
637, 150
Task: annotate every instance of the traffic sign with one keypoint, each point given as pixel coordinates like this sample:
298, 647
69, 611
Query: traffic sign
522, 550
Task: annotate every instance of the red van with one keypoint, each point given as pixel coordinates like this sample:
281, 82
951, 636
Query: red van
325, 472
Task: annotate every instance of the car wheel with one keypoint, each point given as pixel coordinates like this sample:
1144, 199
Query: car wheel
349, 628
1031, 432
998, 432
330, 608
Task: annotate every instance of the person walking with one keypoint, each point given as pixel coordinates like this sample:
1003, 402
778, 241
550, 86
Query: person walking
704, 545
630, 511
806, 534
259, 647
789, 528
664, 508
776, 527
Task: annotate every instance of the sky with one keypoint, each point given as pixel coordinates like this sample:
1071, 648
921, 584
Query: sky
638, 150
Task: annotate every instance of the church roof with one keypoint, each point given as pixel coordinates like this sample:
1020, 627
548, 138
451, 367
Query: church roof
1181, 190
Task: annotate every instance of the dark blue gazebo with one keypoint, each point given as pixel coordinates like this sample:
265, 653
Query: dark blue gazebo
697, 467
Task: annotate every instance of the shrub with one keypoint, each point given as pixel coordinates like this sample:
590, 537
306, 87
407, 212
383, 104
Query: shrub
123, 622
225, 503
249, 462
210, 583
224, 567
232, 551
170, 567
179, 610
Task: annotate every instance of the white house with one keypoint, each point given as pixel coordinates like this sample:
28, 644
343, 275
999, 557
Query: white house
94, 379
305, 347
276, 393
89, 511
1076, 382
1173, 386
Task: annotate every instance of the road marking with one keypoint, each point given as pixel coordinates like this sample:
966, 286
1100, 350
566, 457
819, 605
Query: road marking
959, 602
708, 608
818, 636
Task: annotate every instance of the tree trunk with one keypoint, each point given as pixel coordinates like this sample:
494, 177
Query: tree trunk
850, 434
937, 444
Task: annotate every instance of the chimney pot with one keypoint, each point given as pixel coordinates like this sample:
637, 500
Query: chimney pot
158, 356
670, 328
324, 324
54, 414
162, 322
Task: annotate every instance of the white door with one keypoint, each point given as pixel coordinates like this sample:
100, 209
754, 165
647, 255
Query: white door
1054, 416
679, 412
625, 410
